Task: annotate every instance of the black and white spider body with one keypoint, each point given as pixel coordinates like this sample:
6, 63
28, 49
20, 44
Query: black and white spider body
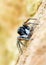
25, 32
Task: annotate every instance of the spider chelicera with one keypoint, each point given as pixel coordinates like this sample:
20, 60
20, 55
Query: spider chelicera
25, 32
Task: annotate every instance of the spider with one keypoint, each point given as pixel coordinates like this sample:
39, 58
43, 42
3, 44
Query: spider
25, 32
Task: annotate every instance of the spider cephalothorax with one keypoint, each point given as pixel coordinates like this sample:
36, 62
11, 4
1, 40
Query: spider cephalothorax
25, 32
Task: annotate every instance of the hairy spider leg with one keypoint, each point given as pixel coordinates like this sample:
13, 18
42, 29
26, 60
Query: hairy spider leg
19, 47
20, 38
22, 44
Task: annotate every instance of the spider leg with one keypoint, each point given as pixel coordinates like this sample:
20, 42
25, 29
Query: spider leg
27, 23
23, 44
30, 19
18, 45
21, 38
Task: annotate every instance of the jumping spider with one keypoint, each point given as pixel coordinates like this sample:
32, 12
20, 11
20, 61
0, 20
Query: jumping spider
25, 32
